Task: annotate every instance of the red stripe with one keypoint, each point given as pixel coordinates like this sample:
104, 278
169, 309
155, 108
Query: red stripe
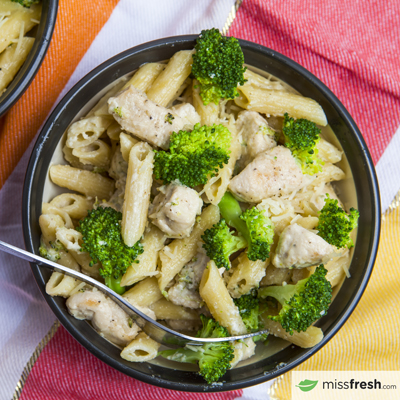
350, 46
65, 370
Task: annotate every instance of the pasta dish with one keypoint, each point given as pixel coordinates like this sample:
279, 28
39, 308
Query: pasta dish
209, 207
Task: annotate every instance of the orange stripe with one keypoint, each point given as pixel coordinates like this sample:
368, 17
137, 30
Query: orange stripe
78, 23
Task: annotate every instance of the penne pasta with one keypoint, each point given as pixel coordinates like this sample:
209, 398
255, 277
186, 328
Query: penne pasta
137, 193
88, 183
97, 154
209, 114
144, 293
171, 78
143, 78
11, 60
86, 131
146, 263
164, 309
75, 205
309, 338
277, 103
127, 142
219, 302
141, 349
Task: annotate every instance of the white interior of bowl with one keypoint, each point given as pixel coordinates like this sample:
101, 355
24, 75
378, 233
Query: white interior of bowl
345, 189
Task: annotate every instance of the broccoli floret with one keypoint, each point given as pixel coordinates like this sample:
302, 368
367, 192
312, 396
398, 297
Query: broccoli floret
261, 233
26, 3
253, 224
301, 138
101, 236
218, 66
51, 251
303, 303
213, 358
219, 244
194, 156
249, 310
335, 225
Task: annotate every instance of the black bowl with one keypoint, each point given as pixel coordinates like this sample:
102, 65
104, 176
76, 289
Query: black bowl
365, 192
25, 75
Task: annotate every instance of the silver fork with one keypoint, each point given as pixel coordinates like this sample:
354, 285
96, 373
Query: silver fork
154, 329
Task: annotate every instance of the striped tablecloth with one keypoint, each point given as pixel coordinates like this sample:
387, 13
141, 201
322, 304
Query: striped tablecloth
351, 46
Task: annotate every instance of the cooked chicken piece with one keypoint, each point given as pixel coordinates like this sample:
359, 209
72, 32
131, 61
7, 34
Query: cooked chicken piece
187, 112
107, 318
271, 173
174, 209
143, 118
300, 248
186, 291
256, 134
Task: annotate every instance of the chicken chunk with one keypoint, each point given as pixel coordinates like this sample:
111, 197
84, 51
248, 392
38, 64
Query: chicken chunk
185, 292
145, 119
107, 318
187, 112
256, 134
300, 248
174, 209
272, 172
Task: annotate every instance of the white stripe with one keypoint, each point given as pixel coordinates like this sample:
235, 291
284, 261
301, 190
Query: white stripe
388, 171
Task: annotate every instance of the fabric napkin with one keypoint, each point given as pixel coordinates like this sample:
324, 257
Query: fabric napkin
351, 47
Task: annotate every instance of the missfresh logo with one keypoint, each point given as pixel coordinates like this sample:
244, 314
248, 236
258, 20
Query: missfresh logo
307, 385
345, 385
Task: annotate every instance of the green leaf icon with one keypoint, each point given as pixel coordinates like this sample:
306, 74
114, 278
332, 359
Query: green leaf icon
307, 385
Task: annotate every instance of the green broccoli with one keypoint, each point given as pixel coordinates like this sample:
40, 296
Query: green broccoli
218, 66
101, 236
52, 251
253, 224
249, 310
219, 244
26, 3
213, 358
303, 303
301, 138
335, 225
194, 156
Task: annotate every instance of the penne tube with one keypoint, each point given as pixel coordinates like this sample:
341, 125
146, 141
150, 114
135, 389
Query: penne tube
309, 338
97, 153
75, 205
327, 152
179, 252
88, 183
146, 263
48, 208
209, 114
86, 131
277, 103
137, 193
20, 21
143, 78
259, 81
164, 309
142, 348
171, 78
49, 224
144, 293
219, 302
11, 60
127, 142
